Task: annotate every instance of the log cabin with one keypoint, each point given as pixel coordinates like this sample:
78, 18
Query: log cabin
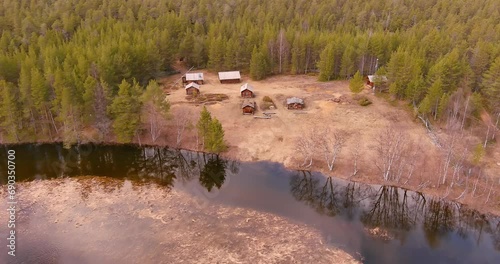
230, 77
246, 91
192, 89
294, 103
248, 107
193, 77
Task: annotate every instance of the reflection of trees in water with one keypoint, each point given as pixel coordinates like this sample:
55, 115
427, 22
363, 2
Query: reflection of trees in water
470, 221
328, 202
303, 186
496, 235
397, 211
157, 164
354, 194
328, 196
213, 172
390, 210
439, 220
186, 165
160, 165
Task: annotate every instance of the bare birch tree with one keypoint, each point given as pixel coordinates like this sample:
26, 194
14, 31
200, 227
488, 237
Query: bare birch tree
306, 145
182, 122
330, 144
355, 157
156, 109
283, 49
391, 145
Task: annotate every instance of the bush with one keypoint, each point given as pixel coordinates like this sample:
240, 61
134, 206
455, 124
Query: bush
267, 102
364, 101
267, 99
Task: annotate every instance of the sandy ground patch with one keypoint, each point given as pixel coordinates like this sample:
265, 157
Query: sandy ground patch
103, 220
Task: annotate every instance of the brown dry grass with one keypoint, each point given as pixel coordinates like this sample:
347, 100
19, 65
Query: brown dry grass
104, 220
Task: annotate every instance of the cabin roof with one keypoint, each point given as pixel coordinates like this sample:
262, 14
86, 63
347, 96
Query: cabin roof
193, 85
194, 76
373, 78
247, 102
229, 75
246, 86
294, 100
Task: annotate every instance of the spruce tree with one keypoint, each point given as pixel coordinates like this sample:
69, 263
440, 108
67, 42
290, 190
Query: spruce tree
215, 142
203, 126
259, 64
326, 64
9, 110
125, 110
356, 84
491, 85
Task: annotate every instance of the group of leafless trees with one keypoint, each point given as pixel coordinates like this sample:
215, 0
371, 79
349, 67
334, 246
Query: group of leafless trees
455, 166
321, 142
396, 155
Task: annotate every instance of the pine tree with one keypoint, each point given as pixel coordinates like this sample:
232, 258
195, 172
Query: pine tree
186, 48
125, 110
259, 64
215, 142
216, 53
431, 101
403, 69
40, 94
203, 126
326, 64
348, 63
491, 85
89, 99
9, 109
356, 84
70, 114
443, 104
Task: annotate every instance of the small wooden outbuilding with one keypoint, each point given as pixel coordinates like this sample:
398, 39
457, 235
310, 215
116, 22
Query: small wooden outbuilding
193, 77
248, 107
372, 79
294, 103
230, 77
246, 91
192, 89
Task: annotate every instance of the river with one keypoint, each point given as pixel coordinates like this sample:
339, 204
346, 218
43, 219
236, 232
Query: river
375, 224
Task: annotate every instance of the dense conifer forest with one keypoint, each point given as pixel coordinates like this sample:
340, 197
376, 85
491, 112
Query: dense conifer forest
66, 65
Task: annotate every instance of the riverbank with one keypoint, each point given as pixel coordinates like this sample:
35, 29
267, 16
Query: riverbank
359, 178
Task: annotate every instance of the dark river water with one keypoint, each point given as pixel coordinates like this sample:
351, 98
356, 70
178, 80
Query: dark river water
376, 224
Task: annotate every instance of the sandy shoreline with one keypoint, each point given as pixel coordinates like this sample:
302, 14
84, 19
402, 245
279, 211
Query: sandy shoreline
104, 220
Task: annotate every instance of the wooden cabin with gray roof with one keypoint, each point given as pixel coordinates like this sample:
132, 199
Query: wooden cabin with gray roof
248, 107
247, 91
295, 103
230, 77
192, 89
193, 77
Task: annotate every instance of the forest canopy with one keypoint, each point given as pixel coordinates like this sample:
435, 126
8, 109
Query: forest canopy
63, 62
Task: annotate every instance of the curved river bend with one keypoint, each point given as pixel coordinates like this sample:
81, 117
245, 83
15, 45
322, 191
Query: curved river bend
375, 224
